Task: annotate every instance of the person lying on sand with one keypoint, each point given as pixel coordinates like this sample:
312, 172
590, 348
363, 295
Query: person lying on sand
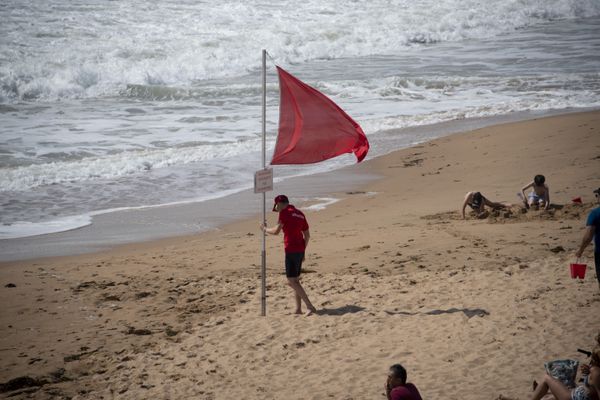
295, 238
539, 195
396, 387
477, 202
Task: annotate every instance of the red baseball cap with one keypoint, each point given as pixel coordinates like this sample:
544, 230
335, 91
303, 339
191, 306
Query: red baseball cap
282, 198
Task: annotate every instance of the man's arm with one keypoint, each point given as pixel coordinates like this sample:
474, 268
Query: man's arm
272, 231
306, 234
587, 239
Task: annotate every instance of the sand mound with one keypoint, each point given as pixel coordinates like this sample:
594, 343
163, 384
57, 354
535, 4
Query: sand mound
517, 214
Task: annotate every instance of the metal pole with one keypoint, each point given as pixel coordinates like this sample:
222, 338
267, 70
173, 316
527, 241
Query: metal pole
264, 198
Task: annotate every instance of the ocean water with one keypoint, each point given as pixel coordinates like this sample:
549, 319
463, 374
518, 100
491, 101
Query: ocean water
111, 105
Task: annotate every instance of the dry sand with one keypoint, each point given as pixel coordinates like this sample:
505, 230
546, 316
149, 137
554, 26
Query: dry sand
472, 308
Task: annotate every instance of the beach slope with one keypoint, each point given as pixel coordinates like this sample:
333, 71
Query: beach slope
472, 308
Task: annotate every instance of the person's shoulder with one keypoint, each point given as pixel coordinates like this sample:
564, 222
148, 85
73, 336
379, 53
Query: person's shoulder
594, 217
293, 209
411, 387
406, 392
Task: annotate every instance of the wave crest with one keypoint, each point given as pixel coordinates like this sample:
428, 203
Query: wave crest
141, 48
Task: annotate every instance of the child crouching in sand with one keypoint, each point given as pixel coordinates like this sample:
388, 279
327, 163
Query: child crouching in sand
540, 193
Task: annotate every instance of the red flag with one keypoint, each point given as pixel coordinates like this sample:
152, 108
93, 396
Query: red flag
313, 128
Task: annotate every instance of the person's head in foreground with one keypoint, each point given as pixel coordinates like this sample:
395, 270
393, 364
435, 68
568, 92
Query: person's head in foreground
396, 376
597, 194
539, 180
280, 202
396, 386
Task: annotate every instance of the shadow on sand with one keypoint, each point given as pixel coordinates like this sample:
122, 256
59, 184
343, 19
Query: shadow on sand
469, 312
348, 309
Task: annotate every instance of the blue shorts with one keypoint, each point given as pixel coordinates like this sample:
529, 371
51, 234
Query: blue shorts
293, 264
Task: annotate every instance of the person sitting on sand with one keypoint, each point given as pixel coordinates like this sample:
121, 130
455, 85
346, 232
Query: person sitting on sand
589, 390
477, 202
295, 238
540, 193
592, 231
396, 387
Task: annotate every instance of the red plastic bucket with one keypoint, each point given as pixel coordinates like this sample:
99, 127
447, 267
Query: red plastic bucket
578, 270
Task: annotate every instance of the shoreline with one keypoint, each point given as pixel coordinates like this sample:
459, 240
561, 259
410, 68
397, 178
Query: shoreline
162, 222
396, 274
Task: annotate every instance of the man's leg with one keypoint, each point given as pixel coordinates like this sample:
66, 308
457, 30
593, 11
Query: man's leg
301, 294
297, 298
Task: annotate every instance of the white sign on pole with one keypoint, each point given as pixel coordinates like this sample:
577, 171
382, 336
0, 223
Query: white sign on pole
263, 180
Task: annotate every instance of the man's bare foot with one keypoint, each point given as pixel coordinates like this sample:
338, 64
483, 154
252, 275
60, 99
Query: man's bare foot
298, 311
311, 311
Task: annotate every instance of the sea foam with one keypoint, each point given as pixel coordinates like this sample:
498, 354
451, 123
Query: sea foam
84, 52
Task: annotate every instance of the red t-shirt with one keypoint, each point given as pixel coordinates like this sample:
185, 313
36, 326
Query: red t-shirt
406, 392
294, 223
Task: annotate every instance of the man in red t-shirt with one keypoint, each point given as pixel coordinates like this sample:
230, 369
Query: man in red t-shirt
295, 239
396, 387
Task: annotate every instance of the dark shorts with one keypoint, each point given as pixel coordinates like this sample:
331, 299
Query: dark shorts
293, 264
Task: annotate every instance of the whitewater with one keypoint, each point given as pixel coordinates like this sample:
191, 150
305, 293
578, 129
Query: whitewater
108, 105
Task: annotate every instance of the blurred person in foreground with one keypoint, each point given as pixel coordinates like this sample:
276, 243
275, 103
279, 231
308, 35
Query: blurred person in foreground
396, 387
592, 231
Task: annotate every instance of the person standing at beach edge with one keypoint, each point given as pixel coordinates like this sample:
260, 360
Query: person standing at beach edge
592, 231
296, 235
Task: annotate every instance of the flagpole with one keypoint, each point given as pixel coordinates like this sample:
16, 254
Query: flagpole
263, 270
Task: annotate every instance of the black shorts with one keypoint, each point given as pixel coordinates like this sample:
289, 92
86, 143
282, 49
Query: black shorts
293, 264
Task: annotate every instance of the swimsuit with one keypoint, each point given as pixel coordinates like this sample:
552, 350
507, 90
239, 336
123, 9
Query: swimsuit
534, 197
580, 393
475, 204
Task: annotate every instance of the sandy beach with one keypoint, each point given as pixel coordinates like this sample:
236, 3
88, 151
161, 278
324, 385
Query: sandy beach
472, 308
